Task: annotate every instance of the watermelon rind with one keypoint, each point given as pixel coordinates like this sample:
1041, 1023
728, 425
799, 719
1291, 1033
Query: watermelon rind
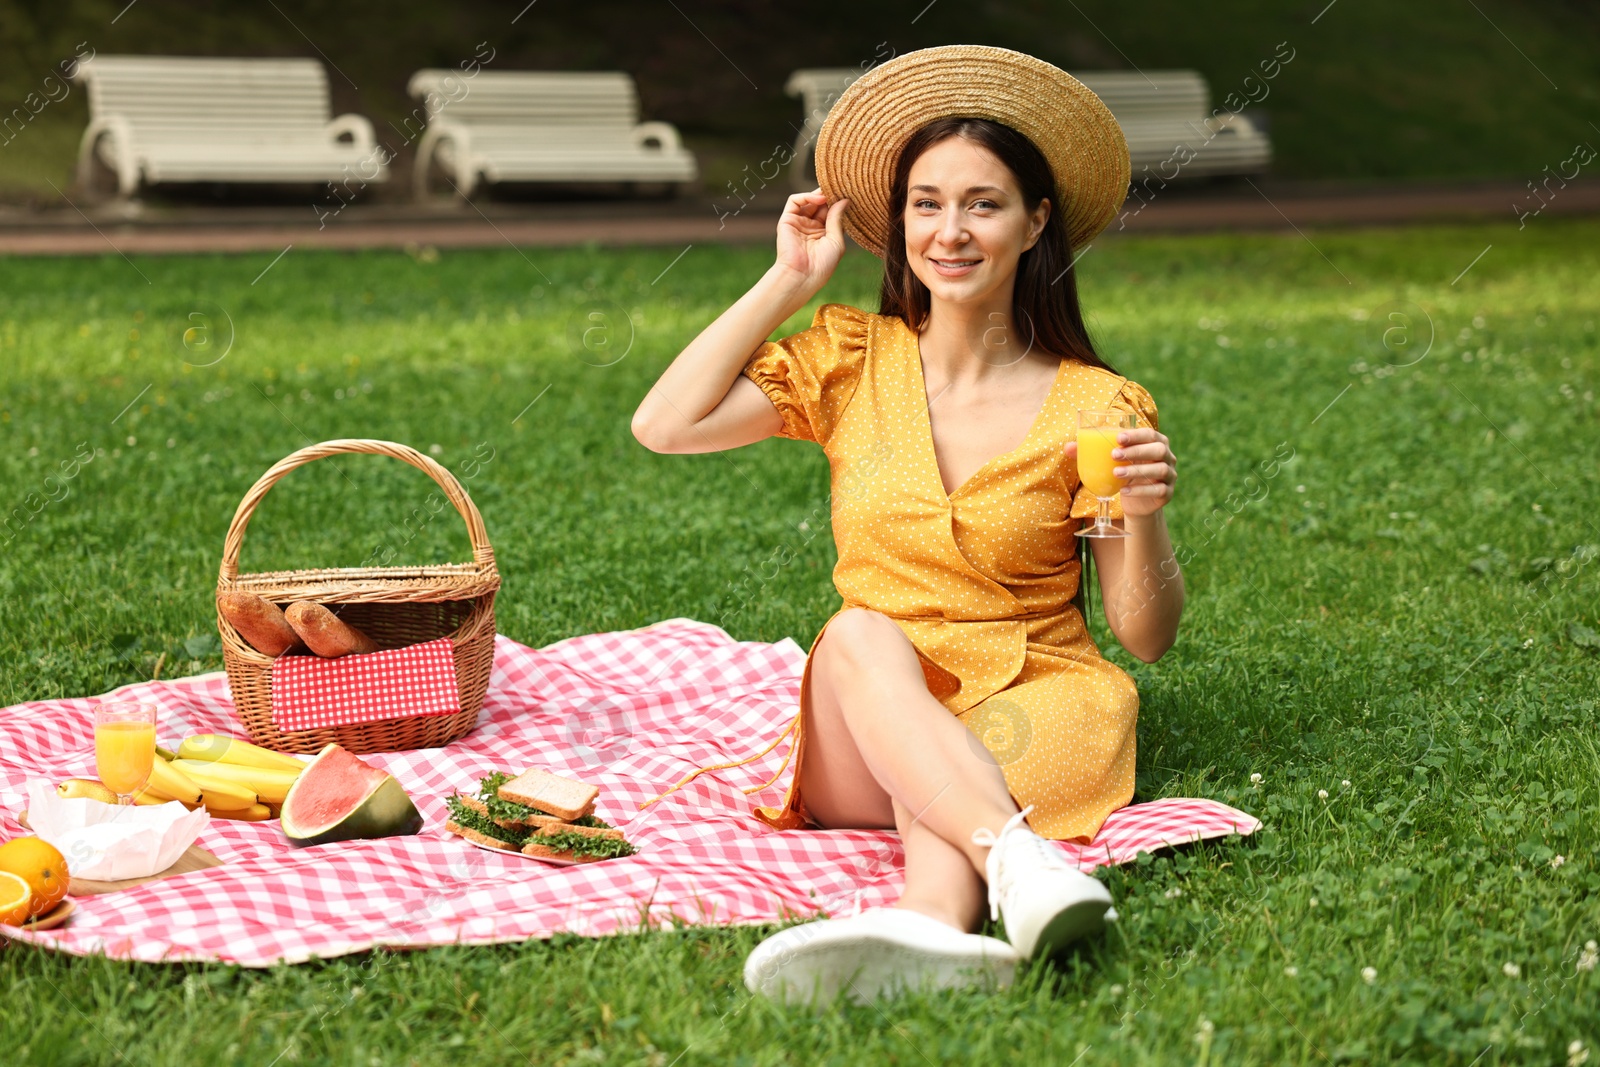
386, 811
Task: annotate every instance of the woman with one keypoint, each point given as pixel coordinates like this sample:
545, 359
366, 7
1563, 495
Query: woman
956, 696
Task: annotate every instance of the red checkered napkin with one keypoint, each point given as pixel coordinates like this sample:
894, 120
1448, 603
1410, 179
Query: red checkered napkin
312, 693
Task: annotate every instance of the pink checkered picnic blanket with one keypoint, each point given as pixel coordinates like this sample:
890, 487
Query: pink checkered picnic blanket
310, 693
631, 712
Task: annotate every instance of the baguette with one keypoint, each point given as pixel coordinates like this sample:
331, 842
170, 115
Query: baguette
260, 622
325, 633
562, 797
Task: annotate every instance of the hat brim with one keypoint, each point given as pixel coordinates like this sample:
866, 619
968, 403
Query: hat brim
869, 125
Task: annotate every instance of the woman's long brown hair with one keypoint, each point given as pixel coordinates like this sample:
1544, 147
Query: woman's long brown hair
1046, 289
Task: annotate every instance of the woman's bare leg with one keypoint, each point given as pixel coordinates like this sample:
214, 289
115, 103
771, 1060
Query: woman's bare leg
881, 751
939, 880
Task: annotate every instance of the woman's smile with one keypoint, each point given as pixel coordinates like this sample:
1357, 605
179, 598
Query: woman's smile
955, 268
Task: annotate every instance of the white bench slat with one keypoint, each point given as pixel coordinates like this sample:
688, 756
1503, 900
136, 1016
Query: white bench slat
528, 96
1237, 147
1157, 94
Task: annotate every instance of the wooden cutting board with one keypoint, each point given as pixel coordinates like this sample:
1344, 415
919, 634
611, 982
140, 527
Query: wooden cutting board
194, 858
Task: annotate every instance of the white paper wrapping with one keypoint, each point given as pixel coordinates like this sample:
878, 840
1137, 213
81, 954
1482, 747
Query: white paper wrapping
107, 842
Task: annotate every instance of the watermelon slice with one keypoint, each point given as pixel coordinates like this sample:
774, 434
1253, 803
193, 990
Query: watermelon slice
340, 798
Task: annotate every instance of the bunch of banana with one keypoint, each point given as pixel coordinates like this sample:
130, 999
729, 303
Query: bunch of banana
232, 779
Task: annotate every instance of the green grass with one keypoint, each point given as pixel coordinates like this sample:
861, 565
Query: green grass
1407, 604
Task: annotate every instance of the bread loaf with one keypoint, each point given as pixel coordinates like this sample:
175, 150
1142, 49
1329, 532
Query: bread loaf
325, 633
260, 622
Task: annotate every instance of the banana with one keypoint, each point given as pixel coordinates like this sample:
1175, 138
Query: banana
215, 748
149, 796
87, 788
229, 799
171, 782
254, 813
166, 753
219, 791
268, 783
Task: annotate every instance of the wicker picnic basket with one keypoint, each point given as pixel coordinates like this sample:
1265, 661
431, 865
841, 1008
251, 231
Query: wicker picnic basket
396, 606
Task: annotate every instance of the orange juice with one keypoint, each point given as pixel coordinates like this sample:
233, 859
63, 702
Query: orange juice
123, 754
1094, 459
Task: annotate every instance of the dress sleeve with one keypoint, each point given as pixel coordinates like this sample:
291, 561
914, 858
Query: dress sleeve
1131, 397
810, 376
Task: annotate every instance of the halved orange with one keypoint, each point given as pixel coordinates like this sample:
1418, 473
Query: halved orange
41, 866
16, 900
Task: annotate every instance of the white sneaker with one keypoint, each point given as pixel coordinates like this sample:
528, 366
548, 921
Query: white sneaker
1045, 901
874, 953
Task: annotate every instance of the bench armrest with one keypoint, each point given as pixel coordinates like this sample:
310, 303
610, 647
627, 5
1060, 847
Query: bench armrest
120, 132
463, 176
359, 127
664, 132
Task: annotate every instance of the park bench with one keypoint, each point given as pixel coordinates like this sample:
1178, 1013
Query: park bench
186, 119
541, 126
1159, 111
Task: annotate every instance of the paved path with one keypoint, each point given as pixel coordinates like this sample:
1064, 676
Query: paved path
1250, 205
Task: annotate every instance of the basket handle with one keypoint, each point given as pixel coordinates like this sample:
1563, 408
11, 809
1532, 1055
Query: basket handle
482, 551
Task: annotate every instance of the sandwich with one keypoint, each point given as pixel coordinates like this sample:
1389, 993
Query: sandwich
538, 814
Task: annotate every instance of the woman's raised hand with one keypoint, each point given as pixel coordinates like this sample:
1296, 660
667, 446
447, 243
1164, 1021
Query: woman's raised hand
811, 237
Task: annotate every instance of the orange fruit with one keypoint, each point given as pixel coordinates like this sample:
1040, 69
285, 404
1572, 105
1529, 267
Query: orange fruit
41, 866
16, 900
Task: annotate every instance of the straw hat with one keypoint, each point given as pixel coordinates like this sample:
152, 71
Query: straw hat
873, 119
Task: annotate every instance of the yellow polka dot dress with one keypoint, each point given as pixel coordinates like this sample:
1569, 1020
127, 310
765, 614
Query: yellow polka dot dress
980, 580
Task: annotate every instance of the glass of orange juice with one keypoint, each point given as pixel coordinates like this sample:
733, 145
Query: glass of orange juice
124, 746
1097, 436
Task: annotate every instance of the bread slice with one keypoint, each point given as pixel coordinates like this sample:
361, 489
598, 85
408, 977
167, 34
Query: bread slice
562, 797
586, 831
480, 838
533, 848
529, 822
